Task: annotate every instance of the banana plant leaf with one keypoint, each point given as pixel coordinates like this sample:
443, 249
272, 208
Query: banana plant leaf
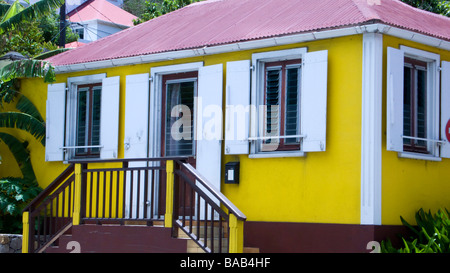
24, 122
15, 14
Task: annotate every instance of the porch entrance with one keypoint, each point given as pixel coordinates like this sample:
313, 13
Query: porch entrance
178, 128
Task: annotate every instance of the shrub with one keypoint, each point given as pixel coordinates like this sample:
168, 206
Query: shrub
431, 235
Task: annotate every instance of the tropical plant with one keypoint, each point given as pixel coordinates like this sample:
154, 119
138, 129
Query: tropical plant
154, 8
16, 192
14, 14
435, 6
431, 235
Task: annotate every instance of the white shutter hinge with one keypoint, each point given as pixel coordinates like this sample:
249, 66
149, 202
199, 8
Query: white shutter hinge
439, 68
252, 67
150, 79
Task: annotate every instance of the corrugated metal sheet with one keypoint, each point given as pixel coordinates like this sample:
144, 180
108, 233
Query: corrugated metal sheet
218, 22
102, 10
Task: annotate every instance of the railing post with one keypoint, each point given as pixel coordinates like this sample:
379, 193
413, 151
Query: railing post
236, 243
76, 219
168, 217
26, 232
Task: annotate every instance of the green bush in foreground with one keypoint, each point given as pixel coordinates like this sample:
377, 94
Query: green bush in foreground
431, 235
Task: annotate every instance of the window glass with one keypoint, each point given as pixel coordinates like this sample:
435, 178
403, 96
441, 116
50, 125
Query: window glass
282, 103
88, 120
415, 105
179, 95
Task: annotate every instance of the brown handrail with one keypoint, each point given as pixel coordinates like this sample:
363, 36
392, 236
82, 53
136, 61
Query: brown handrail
48, 190
197, 210
222, 198
49, 217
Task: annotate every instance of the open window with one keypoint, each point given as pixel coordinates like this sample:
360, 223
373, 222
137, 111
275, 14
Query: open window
83, 120
283, 111
415, 109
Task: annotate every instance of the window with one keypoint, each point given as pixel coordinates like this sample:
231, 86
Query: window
75, 116
281, 97
288, 97
413, 103
80, 32
88, 120
415, 106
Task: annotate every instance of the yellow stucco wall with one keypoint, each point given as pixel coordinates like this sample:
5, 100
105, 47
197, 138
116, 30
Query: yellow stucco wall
321, 187
411, 184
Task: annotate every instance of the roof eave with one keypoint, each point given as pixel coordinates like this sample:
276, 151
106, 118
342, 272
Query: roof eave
369, 27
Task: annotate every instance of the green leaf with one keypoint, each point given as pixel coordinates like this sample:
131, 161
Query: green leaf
22, 156
14, 8
38, 9
28, 68
24, 122
24, 105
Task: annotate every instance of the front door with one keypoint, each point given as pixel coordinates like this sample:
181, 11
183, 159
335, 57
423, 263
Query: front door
178, 127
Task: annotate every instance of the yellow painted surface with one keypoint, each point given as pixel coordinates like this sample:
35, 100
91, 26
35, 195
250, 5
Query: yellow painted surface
321, 187
411, 184
26, 231
169, 195
77, 198
236, 240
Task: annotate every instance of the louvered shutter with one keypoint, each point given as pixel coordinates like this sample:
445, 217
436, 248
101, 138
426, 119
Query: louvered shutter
314, 101
55, 120
394, 99
237, 113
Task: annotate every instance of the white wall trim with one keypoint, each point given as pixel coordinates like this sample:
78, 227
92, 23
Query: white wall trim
262, 43
371, 133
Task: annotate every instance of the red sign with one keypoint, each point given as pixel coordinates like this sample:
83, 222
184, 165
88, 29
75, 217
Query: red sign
447, 130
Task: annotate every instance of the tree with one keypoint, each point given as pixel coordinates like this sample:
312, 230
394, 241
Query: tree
15, 14
155, 8
49, 26
436, 6
16, 192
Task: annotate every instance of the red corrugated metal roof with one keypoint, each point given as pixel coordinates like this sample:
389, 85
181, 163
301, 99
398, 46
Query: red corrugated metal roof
74, 44
101, 10
217, 22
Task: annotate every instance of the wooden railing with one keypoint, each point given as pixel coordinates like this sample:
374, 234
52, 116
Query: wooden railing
204, 213
50, 214
150, 189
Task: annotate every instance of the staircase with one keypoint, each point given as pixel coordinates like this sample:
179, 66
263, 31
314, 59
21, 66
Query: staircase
73, 243
85, 210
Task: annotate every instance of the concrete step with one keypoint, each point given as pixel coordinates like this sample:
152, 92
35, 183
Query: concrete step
216, 230
193, 247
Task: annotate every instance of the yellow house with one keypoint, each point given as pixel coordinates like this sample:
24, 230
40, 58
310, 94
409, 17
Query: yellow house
278, 126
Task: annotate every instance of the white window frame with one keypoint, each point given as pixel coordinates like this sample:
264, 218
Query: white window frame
257, 98
433, 102
71, 110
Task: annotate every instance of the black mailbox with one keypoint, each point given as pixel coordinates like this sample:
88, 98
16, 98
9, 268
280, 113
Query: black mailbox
232, 173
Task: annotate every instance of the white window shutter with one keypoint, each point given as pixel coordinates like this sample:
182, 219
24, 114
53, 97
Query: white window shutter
237, 113
394, 99
55, 120
314, 101
109, 123
136, 116
445, 109
209, 123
